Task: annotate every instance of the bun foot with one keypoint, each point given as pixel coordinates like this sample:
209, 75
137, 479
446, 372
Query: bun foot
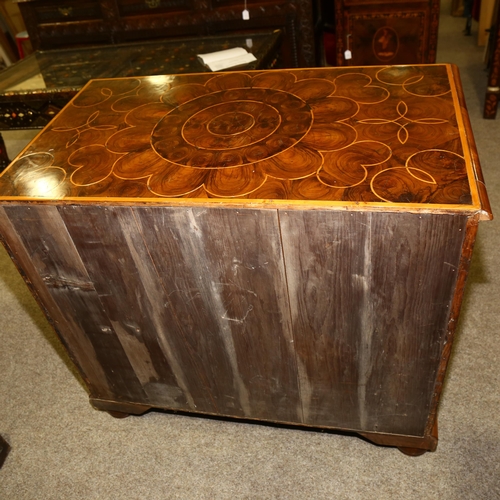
118, 414
412, 452
119, 409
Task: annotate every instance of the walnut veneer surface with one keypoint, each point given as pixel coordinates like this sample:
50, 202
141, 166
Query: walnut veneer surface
288, 246
384, 135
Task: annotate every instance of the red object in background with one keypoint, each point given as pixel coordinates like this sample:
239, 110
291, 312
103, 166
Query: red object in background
329, 46
20, 38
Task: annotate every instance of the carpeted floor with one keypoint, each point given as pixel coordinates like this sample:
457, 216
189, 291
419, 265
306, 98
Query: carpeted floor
62, 449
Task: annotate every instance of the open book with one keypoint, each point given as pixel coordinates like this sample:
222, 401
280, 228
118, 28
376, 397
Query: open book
226, 58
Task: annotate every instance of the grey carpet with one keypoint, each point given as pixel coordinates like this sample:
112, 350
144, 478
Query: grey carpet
63, 449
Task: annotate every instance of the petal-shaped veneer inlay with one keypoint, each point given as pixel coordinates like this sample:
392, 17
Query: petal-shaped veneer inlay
360, 88
402, 185
100, 91
312, 89
94, 163
415, 80
45, 182
127, 140
140, 164
447, 169
184, 93
272, 189
147, 116
295, 163
330, 138
274, 80
333, 109
352, 165
174, 180
232, 182
228, 81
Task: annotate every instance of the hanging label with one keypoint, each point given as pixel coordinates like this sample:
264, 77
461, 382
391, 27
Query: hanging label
348, 54
245, 15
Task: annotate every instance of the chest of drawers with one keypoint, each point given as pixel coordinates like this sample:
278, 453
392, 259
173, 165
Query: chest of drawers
285, 246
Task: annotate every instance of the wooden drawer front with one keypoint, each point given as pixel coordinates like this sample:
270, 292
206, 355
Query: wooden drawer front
145, 7
388, 38
68, 11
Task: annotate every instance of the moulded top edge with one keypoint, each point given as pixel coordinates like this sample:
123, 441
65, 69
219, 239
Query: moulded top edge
390, 136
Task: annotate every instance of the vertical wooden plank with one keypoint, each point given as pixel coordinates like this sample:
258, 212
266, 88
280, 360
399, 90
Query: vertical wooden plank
456, 304
50, 249
325, 265
371, 300
415, 263
222, 270
79, 347
119, 266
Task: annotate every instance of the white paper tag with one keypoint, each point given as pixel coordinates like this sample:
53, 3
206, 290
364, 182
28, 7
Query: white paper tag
348, 54
249, 42
245, 15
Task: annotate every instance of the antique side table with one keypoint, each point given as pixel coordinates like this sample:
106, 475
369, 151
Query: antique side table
286, 246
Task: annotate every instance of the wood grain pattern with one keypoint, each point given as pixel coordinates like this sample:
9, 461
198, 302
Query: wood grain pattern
371, 300
381, 136
128, 301
153, 314
223, 273
61, 286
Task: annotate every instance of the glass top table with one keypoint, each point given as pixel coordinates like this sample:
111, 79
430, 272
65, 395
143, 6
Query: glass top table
35, 89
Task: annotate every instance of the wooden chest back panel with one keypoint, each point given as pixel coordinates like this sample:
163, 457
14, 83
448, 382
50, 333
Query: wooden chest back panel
171, 322
302, 317
129, 303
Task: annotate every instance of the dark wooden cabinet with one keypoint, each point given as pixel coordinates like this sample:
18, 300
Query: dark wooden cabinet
397, 32
288, 246
55, 24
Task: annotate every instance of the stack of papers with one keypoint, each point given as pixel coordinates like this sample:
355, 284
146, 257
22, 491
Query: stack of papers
229, 58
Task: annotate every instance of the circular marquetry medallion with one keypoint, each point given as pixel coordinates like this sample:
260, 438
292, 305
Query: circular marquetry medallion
228, 129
